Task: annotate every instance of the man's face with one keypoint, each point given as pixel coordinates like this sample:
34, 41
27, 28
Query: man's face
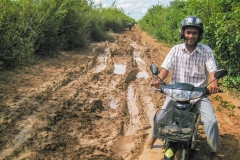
191, 35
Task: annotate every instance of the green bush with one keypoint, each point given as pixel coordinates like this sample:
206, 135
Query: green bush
30, 28
16, 33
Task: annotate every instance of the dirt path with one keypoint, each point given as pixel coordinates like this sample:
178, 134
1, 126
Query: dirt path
94, 104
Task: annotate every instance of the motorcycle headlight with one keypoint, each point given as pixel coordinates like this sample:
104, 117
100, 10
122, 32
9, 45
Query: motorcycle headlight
196, 94
182, 95
168, 91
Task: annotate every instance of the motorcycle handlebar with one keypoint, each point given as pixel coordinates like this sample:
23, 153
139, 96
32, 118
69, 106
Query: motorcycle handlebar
152, 84
220, 91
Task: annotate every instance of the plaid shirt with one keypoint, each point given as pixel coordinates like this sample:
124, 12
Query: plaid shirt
190, 68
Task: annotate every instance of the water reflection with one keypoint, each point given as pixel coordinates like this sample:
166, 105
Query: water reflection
113, 105
22, 137
142, 74
102, 61
133, 111
100, 68
151, 109
138, 59
119, 69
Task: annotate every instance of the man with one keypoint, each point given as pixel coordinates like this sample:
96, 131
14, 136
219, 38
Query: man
191, 62
129, 26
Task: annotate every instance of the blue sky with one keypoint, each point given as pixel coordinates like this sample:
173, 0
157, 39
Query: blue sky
134, 8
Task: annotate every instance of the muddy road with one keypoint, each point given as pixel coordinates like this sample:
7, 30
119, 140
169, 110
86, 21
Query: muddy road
95, 104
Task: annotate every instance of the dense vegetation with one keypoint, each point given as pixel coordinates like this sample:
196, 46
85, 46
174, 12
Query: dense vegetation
221, 21
38, 28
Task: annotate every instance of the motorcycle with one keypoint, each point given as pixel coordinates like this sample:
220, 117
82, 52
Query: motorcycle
179, 125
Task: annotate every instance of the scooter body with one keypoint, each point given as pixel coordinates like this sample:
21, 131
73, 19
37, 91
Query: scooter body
178, 125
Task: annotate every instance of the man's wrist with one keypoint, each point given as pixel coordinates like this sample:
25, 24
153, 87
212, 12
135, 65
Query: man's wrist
160, 80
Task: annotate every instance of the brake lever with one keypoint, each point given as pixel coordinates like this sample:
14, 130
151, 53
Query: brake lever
154, 89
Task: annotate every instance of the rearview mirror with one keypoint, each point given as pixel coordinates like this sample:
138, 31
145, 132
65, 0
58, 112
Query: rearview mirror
220, 73
154, 69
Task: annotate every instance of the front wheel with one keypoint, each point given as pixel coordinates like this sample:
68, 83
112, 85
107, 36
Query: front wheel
180, 154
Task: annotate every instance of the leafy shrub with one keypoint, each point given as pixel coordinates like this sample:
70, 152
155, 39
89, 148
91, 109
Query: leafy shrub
30, 28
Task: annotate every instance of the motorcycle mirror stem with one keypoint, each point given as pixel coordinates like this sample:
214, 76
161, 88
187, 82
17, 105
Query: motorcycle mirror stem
210, 82
219, 74
160, 79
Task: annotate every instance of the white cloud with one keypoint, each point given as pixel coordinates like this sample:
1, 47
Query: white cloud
134, 8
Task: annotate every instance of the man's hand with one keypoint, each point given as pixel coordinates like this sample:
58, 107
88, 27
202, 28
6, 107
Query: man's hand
213, 88
162, 75
157, 84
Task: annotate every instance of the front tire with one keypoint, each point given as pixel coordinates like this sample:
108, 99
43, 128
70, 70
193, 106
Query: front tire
180, 154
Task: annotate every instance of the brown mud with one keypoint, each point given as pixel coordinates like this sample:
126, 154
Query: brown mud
94, 103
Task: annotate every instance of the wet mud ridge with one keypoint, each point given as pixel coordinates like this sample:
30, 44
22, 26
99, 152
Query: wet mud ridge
89, 104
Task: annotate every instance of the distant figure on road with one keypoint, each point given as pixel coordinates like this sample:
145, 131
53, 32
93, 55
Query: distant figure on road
129, 26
